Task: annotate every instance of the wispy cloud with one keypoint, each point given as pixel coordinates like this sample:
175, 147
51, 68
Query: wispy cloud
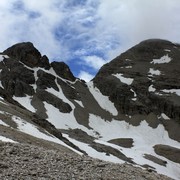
85, 76
93, 61
91, 32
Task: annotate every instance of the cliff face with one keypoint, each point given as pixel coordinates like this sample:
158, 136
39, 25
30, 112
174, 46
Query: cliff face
129, 112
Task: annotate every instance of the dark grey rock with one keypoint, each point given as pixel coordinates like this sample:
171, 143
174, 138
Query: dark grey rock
46, 80
69, 91
168, 152
17, 79
44, 62
24, 52
54, 100
63, 70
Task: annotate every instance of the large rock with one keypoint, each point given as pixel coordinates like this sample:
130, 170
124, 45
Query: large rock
63, 70
28, 54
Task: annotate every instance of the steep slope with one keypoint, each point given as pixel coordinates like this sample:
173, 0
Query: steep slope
130, 111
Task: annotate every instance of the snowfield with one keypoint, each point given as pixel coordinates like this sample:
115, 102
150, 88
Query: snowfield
143, 141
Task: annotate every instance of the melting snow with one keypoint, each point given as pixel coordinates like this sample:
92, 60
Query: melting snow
127, 67
33, 131
135, 95
1, 85
167, 50
26, 102
143, 141
80, 103
164, 116
3, 123
154, 72
102, 100
60, 94
5, 139
92, 152
2, 57
151, 89
125, 80
64, 120
164, 59
176, 91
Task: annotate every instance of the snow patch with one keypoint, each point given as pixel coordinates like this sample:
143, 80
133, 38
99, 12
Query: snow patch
5, 139
167, 50
162, 60
154, 72
125, 80
26, 102
102, 100
151, 88
135, 95
80, 103
3, 123
127, 67
2, 57
176, 91
164, 116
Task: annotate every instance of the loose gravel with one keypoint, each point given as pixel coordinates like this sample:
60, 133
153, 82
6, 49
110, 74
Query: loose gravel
28, 162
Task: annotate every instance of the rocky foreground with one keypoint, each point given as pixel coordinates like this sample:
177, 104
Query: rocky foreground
24, 161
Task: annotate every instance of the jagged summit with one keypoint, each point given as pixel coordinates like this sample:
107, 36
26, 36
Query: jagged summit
130, 111
30, 56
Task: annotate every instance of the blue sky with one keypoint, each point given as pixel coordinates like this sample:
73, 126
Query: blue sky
87, 33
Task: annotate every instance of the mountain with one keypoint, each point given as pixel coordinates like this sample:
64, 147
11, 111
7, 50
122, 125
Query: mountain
129, 112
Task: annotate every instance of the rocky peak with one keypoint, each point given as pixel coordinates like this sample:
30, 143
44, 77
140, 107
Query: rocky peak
138, 80
25, 52
63, 70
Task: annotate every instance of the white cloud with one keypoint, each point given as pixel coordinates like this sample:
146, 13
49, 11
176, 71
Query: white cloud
64, 29
127, 22
93, 61
18, 24
85, 76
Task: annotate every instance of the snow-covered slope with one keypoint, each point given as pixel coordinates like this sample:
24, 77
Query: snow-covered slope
130, 112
